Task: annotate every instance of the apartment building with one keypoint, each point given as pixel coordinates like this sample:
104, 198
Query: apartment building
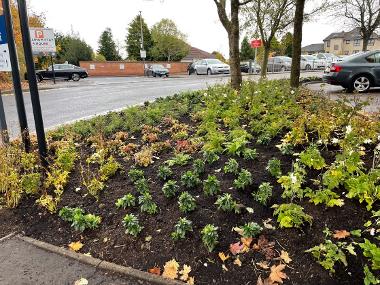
346, 43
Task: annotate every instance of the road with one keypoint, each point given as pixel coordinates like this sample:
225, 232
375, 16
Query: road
72, 101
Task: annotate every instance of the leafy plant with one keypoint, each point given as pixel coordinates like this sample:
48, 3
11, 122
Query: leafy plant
199, 166
312, 158
186, 202
243, 180
144, 157
249, 154
127, 200
181, 228
79, 221
170, 189
236, 146
164, 172
109, 169
231, 166
94, 187
190, 179
131, 223
211, 186
372, 252
135, 174
227, 203
251, 230
210, 237
180, 159
30, 183
325, 196
147, 204
274, 167
210, 157
291, 215
292, 183
142, 186
263, 193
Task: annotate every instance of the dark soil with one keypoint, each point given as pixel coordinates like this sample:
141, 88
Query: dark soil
110, 242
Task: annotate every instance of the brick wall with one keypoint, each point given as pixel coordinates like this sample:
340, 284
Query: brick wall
123, 68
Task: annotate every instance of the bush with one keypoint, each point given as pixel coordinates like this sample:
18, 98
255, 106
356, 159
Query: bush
244, 180
210, 237
170, 189
190, 179
131, 224
181, 228
186, 202
211, 186
263, 193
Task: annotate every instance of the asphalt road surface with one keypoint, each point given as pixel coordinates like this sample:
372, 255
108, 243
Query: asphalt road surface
71, 101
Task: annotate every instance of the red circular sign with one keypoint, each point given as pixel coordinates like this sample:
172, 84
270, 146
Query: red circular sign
256, 43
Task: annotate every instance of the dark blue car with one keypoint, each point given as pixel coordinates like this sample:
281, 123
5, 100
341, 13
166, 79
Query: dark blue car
356, 73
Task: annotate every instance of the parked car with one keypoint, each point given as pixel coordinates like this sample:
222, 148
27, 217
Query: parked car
211, 66
157, 70
244, 67
65, 71
359, 72
310, 62
326, 58
279, 64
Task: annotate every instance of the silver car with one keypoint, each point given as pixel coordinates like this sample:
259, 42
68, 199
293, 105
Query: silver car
310, 62
211, 66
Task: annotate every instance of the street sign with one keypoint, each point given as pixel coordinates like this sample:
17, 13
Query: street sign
256, 43
5, 61
43, 41
143, 54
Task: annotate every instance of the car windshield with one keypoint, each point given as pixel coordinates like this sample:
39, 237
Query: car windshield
328, 55
351, 56
158, 66
285, 58
214, 61
310, 57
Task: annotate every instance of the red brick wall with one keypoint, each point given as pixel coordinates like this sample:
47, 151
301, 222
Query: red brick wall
113, 68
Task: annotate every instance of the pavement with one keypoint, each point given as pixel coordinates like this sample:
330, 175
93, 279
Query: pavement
70, 101
372, 98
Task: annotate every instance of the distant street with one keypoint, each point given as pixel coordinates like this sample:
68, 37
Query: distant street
72, 101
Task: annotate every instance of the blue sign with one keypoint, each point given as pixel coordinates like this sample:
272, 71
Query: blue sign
3, 31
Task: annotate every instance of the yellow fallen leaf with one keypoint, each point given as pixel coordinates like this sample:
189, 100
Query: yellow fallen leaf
285, 257
263, 264
237, 262
223, 257
171, 269
191, 281
246, 241
75, 246
81, 281
185, 272
238, 230
276, 274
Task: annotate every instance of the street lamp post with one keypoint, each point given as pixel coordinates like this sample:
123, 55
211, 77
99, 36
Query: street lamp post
142, 51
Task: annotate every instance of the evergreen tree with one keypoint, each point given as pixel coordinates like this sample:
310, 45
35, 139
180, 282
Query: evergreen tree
246, 51
107, 46
133, 40
287, 44
72, 49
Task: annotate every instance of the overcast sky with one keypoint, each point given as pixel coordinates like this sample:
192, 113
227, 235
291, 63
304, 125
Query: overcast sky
198, 19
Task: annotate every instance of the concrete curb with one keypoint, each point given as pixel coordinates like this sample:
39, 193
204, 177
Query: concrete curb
7, 237
100, 264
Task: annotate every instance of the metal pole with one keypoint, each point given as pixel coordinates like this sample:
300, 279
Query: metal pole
16, 77
255, 59
3, 123
52, 67
142, 41
32, 81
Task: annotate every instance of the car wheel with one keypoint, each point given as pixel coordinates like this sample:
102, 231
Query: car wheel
308, 67
196, 72
39, 78
361, 83
154, 74
167, 75
283, 69
75, 77
209, 72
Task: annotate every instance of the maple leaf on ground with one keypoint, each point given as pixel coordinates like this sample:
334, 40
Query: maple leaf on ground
236, 248
185, 272
223, 257
237, 262
342, 234
285, 257
75, 246
276, 274
246, 241
191, 281
171, 269
240, 231
265, 247
155, 270
266, 281
263, 264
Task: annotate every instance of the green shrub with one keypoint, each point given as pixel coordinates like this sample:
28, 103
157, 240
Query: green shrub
312, 158
126, 201
263, 193
181, 228
210, 157
190, 179
199, 166
251, 230
274, 167
186, 202
170, 189
142, 186
211, 186
79, 221
135, 174
210, 237
147, 204
249, 154
243, 180
291, 215
227, 203
131, 224
231, 166
164, 172
179, 159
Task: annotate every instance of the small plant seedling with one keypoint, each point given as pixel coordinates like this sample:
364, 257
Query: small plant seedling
190, 179
291, 215
263, 193
79, 221
199, 166
211, 186
181, 228
164, 172
231, 166
170, 189
251, 230
227, 204
109, 169
180, 159
135, 174
274, 167
127, 201
210, 157
244, 179
131, 224
147, 204
210, 237
312, 158
186, 202
249, 154
94, 187
142, 186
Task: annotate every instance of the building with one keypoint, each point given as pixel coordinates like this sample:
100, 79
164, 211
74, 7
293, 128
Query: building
313, 48
346, 43
197, 54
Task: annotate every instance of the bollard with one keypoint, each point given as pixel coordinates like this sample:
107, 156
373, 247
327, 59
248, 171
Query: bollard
3, 123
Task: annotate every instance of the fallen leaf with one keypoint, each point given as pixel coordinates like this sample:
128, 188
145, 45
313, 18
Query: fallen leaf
342, 234
148, 238
267, 224
82, 281
236, 248
246, 241
240, 231
266, 281
185, 272
265, 247
263, 264
285, 257
155, 270
191, 281
237, 262
223, 257
249, 210
75, 246
224, 267
171, 269
276, 274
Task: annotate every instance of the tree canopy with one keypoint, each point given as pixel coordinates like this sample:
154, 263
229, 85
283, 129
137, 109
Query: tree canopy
107, 46
246, 51
72, 49
133, 39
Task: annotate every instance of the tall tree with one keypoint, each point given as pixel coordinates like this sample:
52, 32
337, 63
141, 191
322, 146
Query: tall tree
362, 14
219, 56
297, 44
270, 18
246, 51
232, 26
287, 44
107, 46
133, 40
72, 49
169, 43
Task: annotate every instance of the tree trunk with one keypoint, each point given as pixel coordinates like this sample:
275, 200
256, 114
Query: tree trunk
297, 42
233, 38
365, 42
265, 61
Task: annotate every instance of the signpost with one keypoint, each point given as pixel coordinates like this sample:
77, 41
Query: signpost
5, 61
256, 43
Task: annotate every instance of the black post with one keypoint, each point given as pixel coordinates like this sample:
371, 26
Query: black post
34, 94
3, 123
52, 67
16, 77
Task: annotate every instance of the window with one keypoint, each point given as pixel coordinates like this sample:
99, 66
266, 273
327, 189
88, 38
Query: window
92, 66
336, 47
348, 42
355, 51
356, 42
122, 66
374, 58
328, 43
346, 52
371, 42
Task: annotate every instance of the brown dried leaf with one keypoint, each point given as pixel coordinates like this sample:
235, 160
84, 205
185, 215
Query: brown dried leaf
237, 262
185, 272
236, 248
285, 257
75, 246
155, 270
266, 281
223, 257
276, 274
341, 234
246, 241
191, 281
263, 264
171, 269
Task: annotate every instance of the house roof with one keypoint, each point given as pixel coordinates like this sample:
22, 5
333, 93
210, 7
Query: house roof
314, 48
351, 35
196, 53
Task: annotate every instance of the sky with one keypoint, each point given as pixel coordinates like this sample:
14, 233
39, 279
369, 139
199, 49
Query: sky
198, 19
